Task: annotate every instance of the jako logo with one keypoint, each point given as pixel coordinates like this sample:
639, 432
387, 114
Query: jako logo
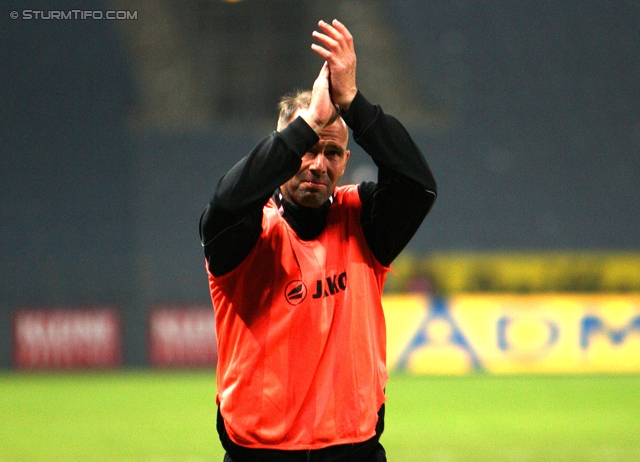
334, 284
295, 292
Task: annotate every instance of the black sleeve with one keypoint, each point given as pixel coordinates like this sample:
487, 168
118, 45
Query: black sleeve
232, 222
395, 206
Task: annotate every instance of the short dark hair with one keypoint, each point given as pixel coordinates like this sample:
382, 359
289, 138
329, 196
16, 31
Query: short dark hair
290, 103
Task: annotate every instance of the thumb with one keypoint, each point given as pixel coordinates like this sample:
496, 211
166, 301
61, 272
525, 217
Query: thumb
324, 72
323, 76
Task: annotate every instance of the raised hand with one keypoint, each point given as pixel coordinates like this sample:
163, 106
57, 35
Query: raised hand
321, 111
339, 53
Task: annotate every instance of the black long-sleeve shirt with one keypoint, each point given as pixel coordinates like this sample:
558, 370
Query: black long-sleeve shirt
393, 208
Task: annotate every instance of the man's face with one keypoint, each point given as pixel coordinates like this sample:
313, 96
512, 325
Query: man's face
321, 168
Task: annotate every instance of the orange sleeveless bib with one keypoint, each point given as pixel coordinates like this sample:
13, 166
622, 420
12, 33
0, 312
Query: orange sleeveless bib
301, 335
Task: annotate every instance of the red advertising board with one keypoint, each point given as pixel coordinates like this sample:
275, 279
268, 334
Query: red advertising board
182, 337
67, 338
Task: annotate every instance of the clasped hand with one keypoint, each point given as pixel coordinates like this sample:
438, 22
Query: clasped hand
335, 86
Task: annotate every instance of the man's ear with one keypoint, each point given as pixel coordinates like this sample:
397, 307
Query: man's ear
347, 154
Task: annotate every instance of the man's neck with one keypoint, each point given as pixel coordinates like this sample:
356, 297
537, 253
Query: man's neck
307, 222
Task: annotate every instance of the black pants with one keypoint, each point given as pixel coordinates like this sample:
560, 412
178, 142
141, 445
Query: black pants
367, 451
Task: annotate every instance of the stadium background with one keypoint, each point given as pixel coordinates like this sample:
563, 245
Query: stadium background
114, 133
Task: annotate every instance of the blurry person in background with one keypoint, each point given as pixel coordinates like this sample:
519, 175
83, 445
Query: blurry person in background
296, 268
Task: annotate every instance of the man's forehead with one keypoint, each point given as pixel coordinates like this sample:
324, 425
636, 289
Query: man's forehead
336, 132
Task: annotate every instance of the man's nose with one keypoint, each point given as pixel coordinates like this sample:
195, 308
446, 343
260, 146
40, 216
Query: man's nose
318, 163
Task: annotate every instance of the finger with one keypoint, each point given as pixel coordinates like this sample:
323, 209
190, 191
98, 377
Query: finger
324, 54
342, 29
337, 39
330, 30
323, 77
326, 40
324, 72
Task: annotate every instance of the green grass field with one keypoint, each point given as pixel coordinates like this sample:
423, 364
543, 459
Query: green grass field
170, 417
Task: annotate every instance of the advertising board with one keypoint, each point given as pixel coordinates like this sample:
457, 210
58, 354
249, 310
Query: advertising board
65, 338
182, 336
512, 334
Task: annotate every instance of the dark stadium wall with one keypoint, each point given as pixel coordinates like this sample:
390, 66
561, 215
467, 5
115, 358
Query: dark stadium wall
65, 233
540, 144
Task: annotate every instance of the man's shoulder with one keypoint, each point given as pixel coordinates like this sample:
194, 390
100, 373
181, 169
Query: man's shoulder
347, 195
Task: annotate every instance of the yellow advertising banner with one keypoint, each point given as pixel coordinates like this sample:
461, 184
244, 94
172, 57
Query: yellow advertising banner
513, 334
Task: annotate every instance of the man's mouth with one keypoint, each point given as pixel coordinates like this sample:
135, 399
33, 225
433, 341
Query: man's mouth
313, 184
